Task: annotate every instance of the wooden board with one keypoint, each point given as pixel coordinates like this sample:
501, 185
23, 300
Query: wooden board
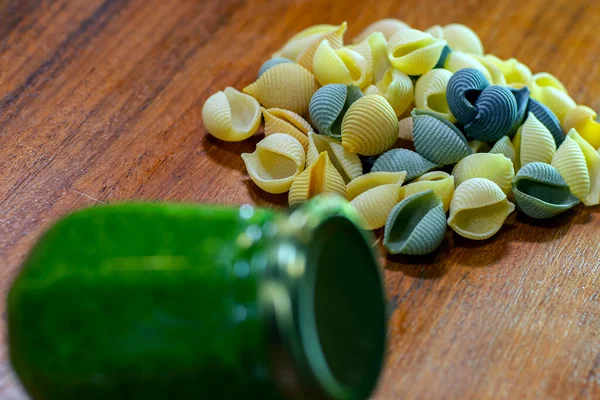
100, 101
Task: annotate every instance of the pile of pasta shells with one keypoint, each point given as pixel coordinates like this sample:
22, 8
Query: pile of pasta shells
486, 133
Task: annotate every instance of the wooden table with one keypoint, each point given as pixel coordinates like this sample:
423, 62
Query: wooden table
100, 101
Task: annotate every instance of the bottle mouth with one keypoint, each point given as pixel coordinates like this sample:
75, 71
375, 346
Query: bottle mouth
326, 302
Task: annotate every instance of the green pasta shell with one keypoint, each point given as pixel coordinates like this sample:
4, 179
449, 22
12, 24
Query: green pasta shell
541, 192
397, 160
463, 89
437, 140
522, 98
548, 118
329, 105
496, 114
271, 63
416, 225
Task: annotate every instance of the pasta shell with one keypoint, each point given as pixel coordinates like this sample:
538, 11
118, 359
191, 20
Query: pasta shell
430, 93
443, 57
231, 115
371, 180
319, 177
370, 126
439, 182
348, 164
271, 63
549, 91
278, 120
416, 225
287, 86
505, 147
541, 192
437, 140
497, 77
303, 39
462, 38
463, 89
396, 160
335, 39
522, 98
329, 105
496, 114
515, 72
547, 117
495, 167
397, 88
478, 209
375, 204
414, 52
277, 161
374, 49
583, 119
436, 31
367, 163
387, 27
340, 66
592, 161
570, 162
536, 144
405, 129
457, 60
477, 146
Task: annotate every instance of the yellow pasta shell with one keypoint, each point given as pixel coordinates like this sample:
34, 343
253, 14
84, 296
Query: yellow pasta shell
430, 93
477, 146
405, 129
319, 177
303, 39
441, 183
277, 161
231, 115
495, 167
478, 209
343, 66
387, 27
288, 86
348, 164
515, 72
374, 49
278, 120
549, 91
536, 142
570, 162
414, 52
375, 204
497, 75
335, 39
462, 38
370, 126
505, 147
592, 161
397, 88
458, 60
371, 180
583, 119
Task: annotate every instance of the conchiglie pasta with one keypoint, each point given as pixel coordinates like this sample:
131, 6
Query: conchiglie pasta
437, 140
430, 93
477, 146
374, 49
348, 164
231, 115
462, 38
304, 39
405, 129
414, 52
396, 160
441, 183
387, 27
319, 177
375, 204
271, 63
463, 88
458, 60
329, 105
505, 147
583, 120
549, 91
287, 86
371, 180
278, 120
335, 39
478, 209
277, 161
340, 66
536, 143
495, 73
515, 73
495, 167
397, 88
547, 117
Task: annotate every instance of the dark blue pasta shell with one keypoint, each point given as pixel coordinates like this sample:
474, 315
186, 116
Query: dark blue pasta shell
397, 160
496, 114
440, 64
462, 91
271, 63
329, 105
548, 118
522, 98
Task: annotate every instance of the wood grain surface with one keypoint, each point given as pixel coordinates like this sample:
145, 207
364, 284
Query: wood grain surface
100, 101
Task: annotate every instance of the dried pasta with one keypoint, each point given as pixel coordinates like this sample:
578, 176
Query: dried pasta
495, 167
414, 52
348, 164
329, 105
441, 183
549, 91
430, 93
375, 204
462, 90
496, 114
335, 39
397, 88
387, 27
271, 63
536, 143
302, 40
457, 60
583, 119
515, 73
396, 160
437, 140
547, 117
477, 146
371, 180
278, 120
374, 49
231, 115
505, 147
340, 66
405, 129
522, 99
319, 177
462, 38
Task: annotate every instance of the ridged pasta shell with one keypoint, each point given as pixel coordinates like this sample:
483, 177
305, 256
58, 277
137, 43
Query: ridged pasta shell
547, 117
340, 66
231, 115
303, 39
462, 90
496, 114
397, 88
437, 140
549, 91
583, 119
277, 161
370, 126
515, 72
387, 26
436, 31
495, 167
505, 147
592, 161
570, 162
443, 57
541, 192
497, 77
348, 164
462, 38
414, 52
441, 183
271, 63
329, 105
536, 144
477, 146
371, 180
430, 93
287, 86
457, 60
405, 129
319, 177
374, 49
522, 98
375, 204
278, 120
396, 160
478, 209
335, 39
416, 225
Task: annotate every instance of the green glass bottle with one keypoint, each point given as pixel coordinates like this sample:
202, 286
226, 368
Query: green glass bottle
165, 301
